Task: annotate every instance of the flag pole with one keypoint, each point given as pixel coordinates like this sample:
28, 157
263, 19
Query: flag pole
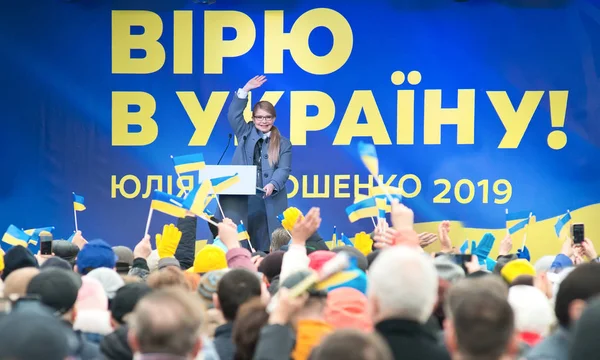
387, 194
148, 221
505, 222
249, 242
75, 216
217, 198
526, 230
205, 218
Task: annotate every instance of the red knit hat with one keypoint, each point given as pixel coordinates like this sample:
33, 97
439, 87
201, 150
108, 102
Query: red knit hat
319, 258
347, 308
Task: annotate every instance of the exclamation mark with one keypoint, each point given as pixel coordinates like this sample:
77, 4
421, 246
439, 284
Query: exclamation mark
557, 139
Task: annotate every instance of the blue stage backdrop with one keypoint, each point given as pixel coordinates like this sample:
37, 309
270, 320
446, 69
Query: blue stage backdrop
475, 107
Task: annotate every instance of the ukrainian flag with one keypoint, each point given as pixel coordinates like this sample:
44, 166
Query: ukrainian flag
381, 190
221, 184
561, 222
189, 163
34, 234
242, 233
168, 204
196, 199
362, 209
78, 202
346, 241
524, 216
518, 226
368, 155
14, 237
382, 207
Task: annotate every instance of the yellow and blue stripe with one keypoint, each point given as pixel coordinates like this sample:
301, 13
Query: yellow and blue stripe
14, 237
195, 201
221, 184
189, 163
242, 233
368, 155
346, 240
168, 204
363, 209
34, 237
78, 202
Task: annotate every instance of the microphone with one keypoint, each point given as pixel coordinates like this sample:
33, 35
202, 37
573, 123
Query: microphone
226, 147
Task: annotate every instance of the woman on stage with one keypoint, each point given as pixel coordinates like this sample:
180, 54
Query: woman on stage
261, 144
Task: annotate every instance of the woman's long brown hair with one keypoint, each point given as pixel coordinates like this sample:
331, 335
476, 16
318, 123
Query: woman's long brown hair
275, 138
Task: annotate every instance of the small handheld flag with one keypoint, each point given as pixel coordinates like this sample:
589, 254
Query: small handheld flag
78, 205
346, 241
188, 163
166, 204
196, 199
561, 222
78, 202
14, 237
368, 155
362, 209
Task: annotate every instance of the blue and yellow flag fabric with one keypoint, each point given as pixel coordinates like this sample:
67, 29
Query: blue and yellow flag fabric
168, 204
242, 233
78, 202
221, 184
522, 219
561, 222
34, 234
363, 209
381, 190
14, 237
196, 199
189, 163
368, 155
346, 241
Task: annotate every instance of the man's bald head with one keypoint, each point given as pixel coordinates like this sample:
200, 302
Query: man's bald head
167, 321
17, 281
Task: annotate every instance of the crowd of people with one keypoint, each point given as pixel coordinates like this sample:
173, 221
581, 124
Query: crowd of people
91, 301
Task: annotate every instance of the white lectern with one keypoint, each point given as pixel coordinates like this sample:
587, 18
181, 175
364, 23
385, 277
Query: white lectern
234, 200
246, 173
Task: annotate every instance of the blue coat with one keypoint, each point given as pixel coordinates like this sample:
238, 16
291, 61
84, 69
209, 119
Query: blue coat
247, 136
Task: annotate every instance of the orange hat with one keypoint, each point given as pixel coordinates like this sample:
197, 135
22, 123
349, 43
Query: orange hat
347, 308
319, 258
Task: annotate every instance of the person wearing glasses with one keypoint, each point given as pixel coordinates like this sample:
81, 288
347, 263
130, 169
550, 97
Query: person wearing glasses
259, 143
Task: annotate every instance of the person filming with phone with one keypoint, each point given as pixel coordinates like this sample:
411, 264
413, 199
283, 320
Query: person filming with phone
260, 144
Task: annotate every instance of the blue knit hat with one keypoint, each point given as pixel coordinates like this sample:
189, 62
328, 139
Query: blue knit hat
95, 254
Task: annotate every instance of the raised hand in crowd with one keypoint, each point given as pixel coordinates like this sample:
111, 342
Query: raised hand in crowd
79, 240
444, 235
168, 241
306, 226
473, 266
426, 239
228, 234
588, 250
505, 245
143, 249
402, 217
286, 307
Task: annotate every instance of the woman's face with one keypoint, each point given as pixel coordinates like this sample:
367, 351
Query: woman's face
263, 121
